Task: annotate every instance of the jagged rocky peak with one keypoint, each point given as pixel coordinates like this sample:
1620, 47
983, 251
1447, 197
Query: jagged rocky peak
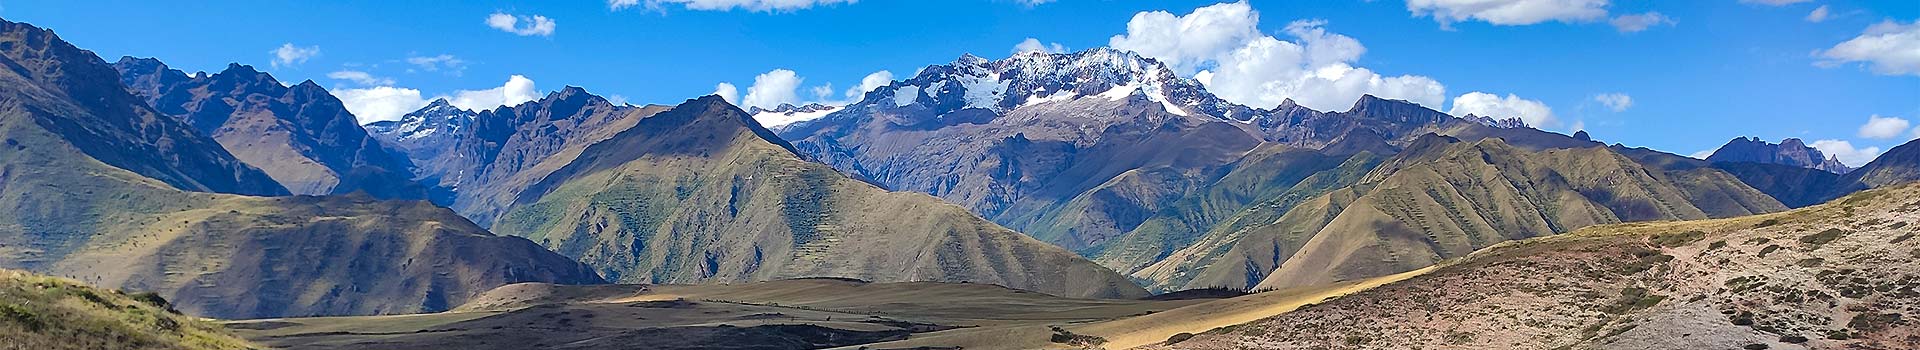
1508, 123
1790, 151
1398, 111
438, 117
998, 86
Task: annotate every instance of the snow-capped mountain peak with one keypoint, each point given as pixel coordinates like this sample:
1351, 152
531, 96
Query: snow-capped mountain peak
787, 114
439, 117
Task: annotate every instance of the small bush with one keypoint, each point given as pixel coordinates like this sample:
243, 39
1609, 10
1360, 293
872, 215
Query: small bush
1823, 237
1177, 338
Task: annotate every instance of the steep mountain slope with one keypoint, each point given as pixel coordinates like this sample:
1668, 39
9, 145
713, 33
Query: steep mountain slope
1790, 152
301, 135
65, 212
1899, 165
482, 160
47, 78
1445, 198
701, 193
40, 312
1836, 276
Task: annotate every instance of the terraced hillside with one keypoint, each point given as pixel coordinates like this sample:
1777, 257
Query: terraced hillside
702, 194
49, 313
1842, 275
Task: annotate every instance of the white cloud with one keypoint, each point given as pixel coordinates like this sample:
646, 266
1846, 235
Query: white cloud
1615, 101
1819, 14
453, 65
1878, 127
1845, 151
518, 89
390, 103
868, 83
288, 55
1888, 48
1702, 155
1222, 48
727, 92
359, 77
1188, 42
380, 103
1773, 2
1508, 12
1483, 104
617, 99
772, 88
1034, 45
534, 25
728, 5
1033, 2
1639, 22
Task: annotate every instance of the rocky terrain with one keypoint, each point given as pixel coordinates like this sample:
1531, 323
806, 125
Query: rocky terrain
1836, 276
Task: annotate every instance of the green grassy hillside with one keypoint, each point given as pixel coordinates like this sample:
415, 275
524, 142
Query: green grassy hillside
48, 313
699, 194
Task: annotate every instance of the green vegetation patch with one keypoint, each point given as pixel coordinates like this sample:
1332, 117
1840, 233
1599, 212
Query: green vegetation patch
1676, 239
1823, 237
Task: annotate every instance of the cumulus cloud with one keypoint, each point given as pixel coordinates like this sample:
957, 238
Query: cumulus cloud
727, 92
1888, 48
1220, 46
1819, 14
288, 55
521, 25
359, 77
868, 83
1508, 12
1878, 127
1845, 151
1034, 45
779, 86
518, 89
1773, 2
773, 88
1614, 101
1639, 22
452, 65
379, 103
1483, 104
728, 5
1188, 43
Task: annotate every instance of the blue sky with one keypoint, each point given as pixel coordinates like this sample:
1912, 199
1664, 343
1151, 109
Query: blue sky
1697, 74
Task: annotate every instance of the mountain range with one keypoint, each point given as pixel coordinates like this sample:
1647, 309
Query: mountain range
98, 186
1094, 178
300, 135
